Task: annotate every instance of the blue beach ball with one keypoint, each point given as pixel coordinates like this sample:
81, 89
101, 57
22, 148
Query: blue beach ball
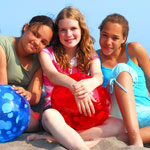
14, 113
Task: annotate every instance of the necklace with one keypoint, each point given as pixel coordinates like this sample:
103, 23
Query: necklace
73, 63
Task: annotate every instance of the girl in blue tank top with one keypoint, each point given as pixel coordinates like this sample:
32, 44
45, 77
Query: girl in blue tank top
124, 66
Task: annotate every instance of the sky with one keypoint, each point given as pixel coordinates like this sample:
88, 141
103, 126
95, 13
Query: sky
15, 13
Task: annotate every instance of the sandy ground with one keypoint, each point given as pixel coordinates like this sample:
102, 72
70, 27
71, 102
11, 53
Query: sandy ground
20, 143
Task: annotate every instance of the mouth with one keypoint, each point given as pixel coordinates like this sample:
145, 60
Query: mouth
107, 48
69, 40
33, 47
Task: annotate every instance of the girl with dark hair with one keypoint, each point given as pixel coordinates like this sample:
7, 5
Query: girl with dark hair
124, 66
19, 64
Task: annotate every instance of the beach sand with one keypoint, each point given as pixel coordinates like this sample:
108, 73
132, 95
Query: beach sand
110, 143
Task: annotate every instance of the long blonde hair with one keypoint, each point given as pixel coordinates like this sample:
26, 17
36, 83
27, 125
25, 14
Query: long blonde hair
85, 46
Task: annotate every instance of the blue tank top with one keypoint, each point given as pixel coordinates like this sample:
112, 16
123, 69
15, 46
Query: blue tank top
140, 89
106, 72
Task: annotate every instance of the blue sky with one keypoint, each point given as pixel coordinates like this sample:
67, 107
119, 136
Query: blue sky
15, 13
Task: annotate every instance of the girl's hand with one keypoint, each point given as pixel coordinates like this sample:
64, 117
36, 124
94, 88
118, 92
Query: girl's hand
82, 88
23, 92
85, 105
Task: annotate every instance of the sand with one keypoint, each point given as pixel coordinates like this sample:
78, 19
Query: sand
110, 143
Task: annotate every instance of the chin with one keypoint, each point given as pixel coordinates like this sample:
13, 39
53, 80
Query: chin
106, 52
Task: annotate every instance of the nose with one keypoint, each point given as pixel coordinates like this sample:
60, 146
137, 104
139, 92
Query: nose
37, 42
68, 32
108, 41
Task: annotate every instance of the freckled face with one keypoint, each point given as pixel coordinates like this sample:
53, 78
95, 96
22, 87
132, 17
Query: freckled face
69, 33
111, 38
36, 38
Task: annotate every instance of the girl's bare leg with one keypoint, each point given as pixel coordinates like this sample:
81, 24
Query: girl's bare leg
127, 107
45, 136
54, 123
111, 127
145, 134
33, 123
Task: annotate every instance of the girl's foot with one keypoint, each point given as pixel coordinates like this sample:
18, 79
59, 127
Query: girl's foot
35, 136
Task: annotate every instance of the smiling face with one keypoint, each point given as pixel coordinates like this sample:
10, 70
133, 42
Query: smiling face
69, 33
36, 38
111, 38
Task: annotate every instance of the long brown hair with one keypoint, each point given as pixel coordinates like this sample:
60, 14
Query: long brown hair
85, 46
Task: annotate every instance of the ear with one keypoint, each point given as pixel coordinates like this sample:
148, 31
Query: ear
124, 39
25, 27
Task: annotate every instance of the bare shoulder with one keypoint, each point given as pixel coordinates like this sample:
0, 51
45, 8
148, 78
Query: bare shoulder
135, 46
139, 55
136, 49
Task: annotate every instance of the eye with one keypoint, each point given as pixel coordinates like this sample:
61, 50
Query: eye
44, 43
115, 38
73, 28
35, 33
62, 30
104, 35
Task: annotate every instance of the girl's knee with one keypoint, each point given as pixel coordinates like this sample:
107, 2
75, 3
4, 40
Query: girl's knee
50, 113
124, 72
116, 124
113, 120
124, 76
52, 116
